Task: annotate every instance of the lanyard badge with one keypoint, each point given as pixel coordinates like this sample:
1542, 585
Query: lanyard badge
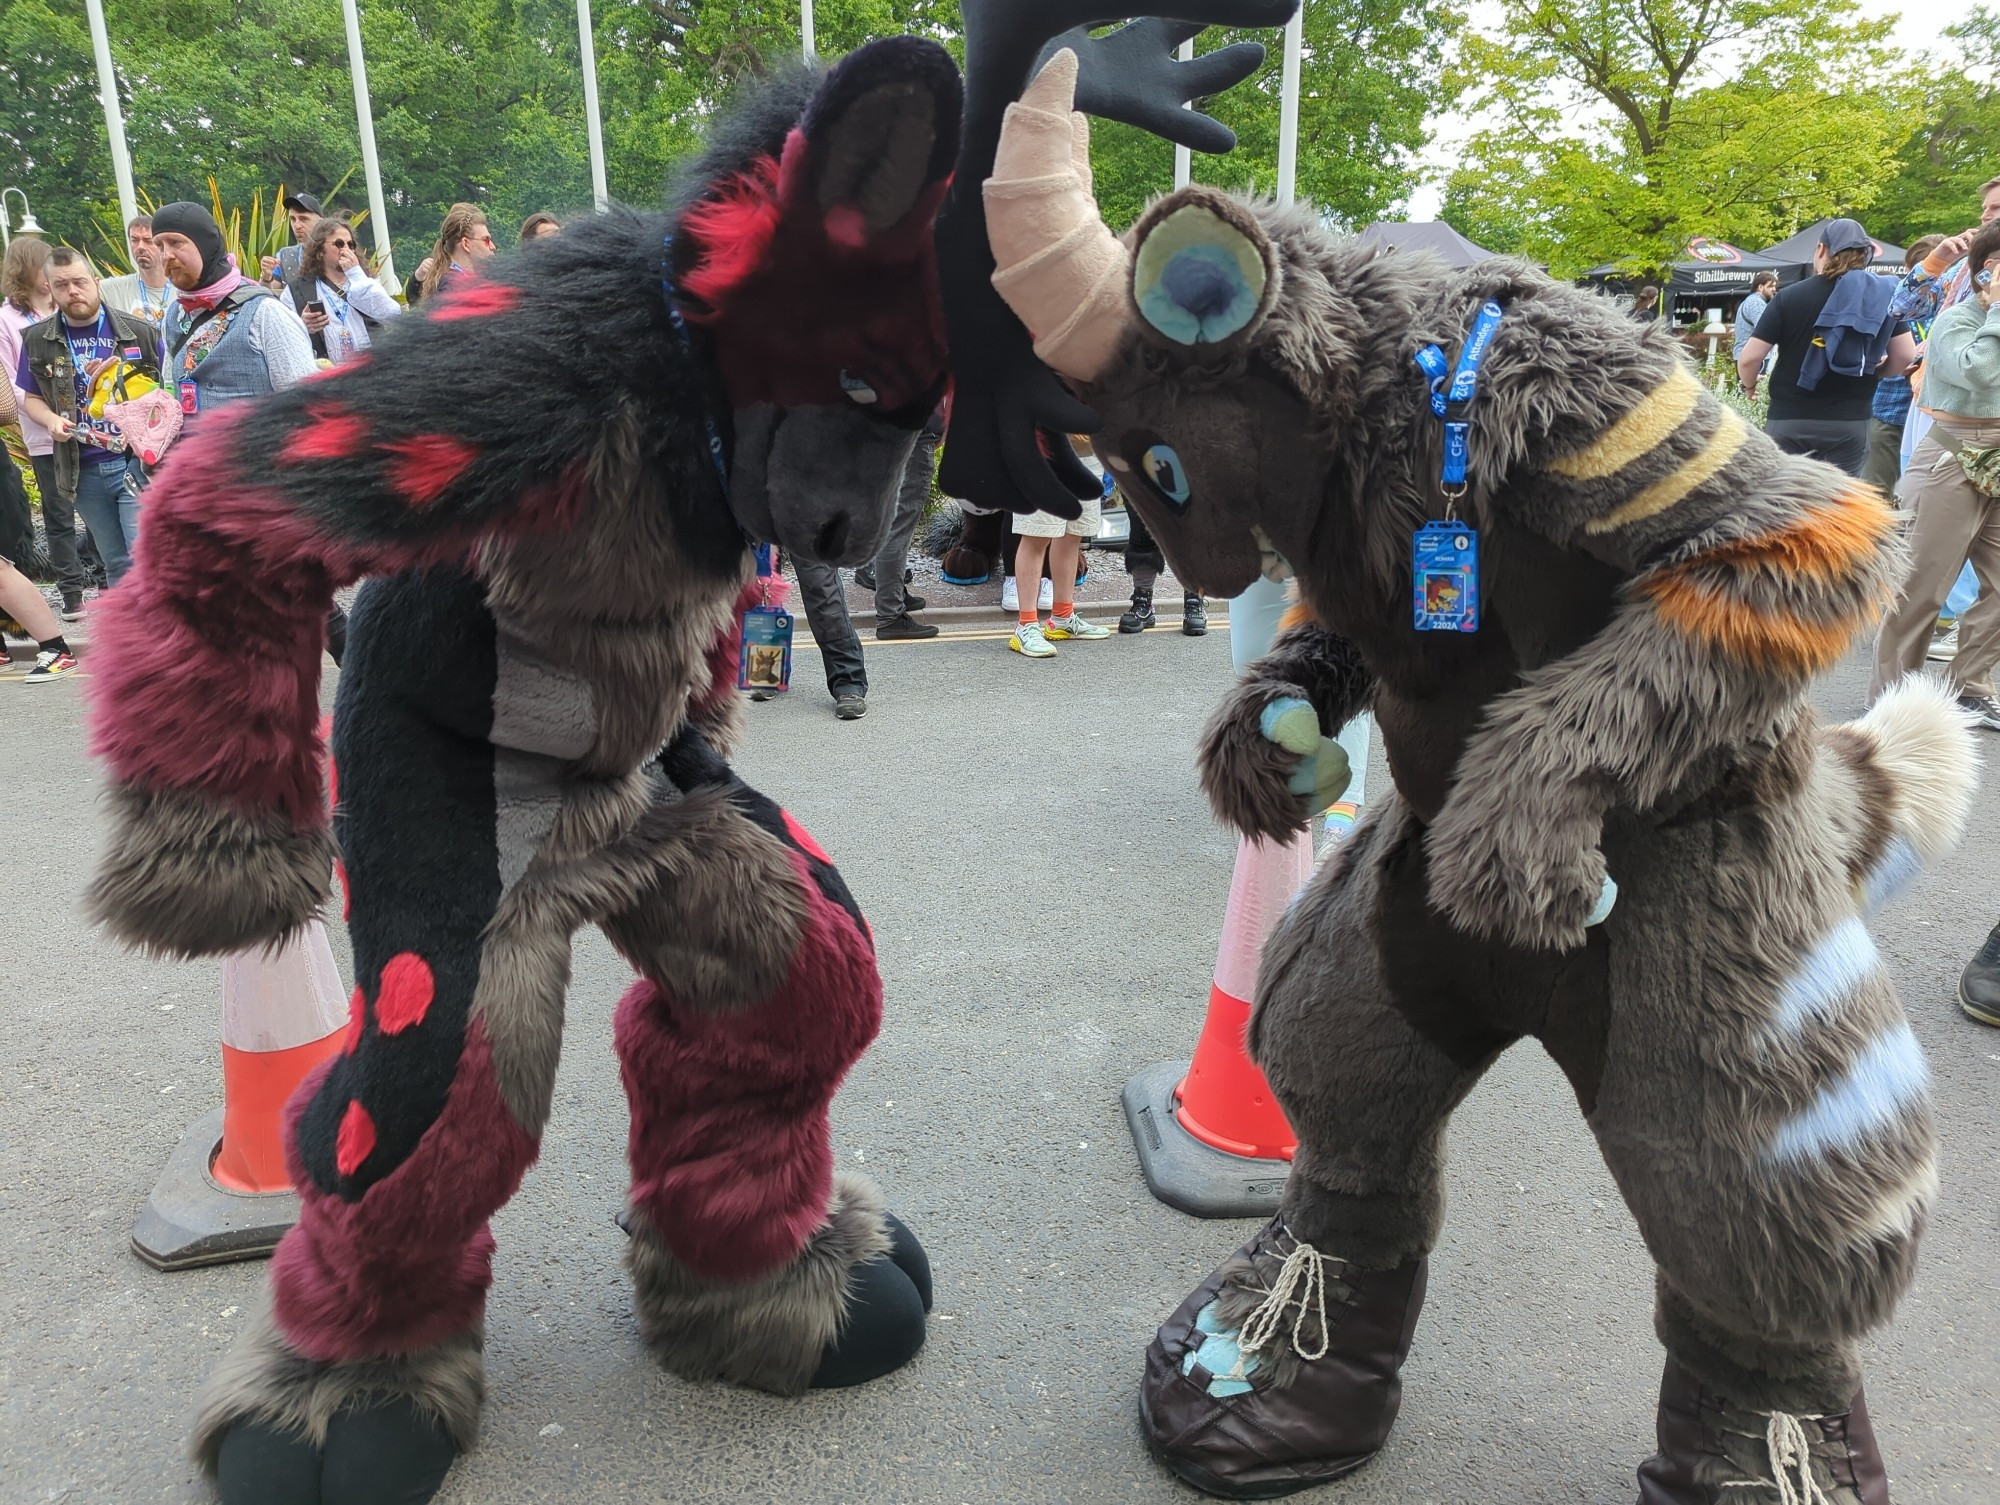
1444, 555
765, 662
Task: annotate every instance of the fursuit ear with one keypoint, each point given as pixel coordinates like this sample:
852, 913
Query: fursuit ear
876, 146
1203, 271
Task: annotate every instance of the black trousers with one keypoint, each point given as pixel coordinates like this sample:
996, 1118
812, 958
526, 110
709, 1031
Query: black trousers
1841, 444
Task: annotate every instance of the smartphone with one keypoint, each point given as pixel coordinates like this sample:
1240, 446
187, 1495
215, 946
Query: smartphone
315, 307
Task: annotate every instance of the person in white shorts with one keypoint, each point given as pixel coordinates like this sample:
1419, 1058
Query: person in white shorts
1044, 536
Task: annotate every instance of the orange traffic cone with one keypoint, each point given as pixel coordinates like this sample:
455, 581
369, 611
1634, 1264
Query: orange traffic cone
1212, 1139
225, 1193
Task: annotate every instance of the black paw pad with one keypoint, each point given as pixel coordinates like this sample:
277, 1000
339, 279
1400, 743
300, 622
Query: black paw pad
883, 1330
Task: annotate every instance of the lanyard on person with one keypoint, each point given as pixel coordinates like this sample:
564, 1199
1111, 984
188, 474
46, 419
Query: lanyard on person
335, 300
103, 318
146, 310
1444, 554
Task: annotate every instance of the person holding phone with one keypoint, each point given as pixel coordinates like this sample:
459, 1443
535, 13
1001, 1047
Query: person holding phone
340, 304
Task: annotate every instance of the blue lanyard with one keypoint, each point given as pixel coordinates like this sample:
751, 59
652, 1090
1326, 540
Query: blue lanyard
707, 417
1454, 395
103, 319
328, 295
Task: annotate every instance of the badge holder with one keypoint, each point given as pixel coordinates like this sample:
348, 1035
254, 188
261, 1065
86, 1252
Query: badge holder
1444, 553
765, 662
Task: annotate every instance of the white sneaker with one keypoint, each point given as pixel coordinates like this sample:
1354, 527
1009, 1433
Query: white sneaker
1047, 598
1074, 626
1944, 645
1029, 639
1010, 596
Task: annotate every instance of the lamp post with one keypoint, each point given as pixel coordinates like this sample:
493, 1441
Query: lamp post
1288, 107
28, 225
114, 119
365, 118
1183, 158
806, 30
600, 193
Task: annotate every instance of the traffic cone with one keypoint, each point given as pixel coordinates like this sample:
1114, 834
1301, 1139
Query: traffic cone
225, 1193
1211, 1137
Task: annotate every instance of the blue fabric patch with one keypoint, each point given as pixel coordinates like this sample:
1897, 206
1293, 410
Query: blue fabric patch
1218, 1354
1897, 870
1889, 1077
1844, 959
1201, 297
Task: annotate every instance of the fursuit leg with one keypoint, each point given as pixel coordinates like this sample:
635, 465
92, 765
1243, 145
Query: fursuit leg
1282, 1369
751, 1260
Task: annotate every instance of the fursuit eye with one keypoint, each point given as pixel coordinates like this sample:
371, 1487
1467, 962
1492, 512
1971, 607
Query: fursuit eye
857, 389
1163, 468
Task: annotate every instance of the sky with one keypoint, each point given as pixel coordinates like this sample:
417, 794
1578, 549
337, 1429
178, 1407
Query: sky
1913, 31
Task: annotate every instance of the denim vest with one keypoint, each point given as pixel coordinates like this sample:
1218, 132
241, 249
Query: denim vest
55, 378
233, 367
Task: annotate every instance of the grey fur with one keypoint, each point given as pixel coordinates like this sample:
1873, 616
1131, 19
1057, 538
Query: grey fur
769, 1333
185, 876
263, 1378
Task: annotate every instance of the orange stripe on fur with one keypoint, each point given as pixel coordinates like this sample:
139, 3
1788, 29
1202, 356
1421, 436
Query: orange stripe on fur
1298, 614
1787, 643
1828, 545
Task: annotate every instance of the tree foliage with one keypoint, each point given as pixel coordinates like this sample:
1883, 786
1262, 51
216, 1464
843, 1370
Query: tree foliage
1940, 169
482, 100
1620, 129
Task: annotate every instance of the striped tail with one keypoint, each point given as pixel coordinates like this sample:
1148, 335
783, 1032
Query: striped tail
1914, 751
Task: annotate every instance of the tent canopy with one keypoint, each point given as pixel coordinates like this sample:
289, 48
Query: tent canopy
1797, 250
1426, 235
1713, 268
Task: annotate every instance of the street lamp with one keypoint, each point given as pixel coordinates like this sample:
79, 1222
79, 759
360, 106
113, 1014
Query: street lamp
28, 225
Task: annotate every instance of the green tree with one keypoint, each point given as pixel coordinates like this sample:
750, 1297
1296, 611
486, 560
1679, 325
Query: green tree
1623, 128
1940, 169
1370, 73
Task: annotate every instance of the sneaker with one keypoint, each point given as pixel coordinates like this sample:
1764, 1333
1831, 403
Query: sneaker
1028, 639
50, 665
72, 606
1074, 626
1046, 597
1944, 644
914, 602
1140, 617
1985, 709
850, 705
903, 628
865, 577
1194, 617
1979, 983
1010, 596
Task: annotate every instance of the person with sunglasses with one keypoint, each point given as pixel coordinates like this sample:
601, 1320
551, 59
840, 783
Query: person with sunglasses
340, 304
464, 244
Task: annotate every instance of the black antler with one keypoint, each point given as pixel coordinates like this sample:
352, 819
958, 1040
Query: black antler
1003, 396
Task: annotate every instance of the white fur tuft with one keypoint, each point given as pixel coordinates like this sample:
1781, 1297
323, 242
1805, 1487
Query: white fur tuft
1924, 743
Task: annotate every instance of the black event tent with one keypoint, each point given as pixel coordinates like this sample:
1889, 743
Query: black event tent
1798, 251
1426, 235
1713, 269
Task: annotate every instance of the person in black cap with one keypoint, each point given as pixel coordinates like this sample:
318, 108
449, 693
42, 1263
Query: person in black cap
305, 212
1835, 339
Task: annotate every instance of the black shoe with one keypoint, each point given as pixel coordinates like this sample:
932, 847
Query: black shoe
865, 577
903, 628
1979, 983
914, 602
850, 705
72, 607
1140, 617
1194, 617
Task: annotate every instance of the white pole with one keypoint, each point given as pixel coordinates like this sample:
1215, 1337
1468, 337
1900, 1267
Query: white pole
1288, 108
1183, 158
114, 119
806, 30
371, 168
598, 191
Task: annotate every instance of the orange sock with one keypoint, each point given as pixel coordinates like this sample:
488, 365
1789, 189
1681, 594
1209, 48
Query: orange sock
1029, 616
1063, 608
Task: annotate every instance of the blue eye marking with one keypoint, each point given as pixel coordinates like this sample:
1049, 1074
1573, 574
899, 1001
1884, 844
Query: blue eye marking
1164, 469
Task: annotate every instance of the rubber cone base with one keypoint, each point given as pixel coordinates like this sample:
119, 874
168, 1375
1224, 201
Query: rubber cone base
190, 1220
1182, 1171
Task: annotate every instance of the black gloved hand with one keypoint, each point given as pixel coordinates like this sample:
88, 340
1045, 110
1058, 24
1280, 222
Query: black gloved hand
1133, 75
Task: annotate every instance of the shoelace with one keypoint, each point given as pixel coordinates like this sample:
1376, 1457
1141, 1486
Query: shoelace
1791, 1460
1301, 1278
1990, 952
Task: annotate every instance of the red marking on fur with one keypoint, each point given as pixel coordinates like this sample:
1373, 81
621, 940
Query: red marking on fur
734, 230
405, 995
426, 466
407, 1264
357, 1021
804, 838
356, 1141
731, 1151
846, 228
476, 300
328, 434
724, 654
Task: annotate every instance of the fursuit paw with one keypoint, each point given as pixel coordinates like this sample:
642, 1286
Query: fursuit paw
887, 1301
1265, 765
386, 1453
1537, 886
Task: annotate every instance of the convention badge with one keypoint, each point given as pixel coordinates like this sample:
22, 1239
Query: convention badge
765, 662
1444, 573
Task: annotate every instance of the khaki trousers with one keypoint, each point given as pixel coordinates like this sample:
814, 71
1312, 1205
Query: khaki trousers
1954, 523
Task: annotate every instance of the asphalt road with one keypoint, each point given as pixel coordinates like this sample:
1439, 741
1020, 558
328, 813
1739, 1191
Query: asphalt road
1046, 888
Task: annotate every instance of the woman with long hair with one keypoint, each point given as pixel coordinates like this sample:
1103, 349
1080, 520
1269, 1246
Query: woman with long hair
539, 224
341, 304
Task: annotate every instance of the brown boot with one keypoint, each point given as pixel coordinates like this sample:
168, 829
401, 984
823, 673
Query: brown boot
1715, 1453
1311, 1390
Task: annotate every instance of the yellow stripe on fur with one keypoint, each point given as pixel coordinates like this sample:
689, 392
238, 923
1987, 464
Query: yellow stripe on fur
1639, 432
1657, 498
